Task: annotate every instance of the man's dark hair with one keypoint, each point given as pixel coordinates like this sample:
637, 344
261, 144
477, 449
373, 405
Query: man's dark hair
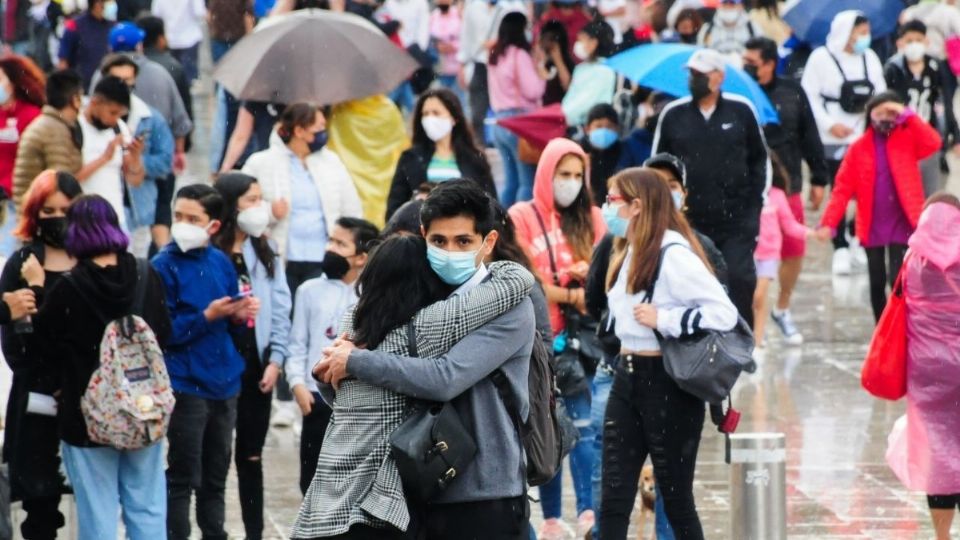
459, 198
364, 233
861, 19
209, 198
603, 111
911, 26
114, 90
152, 28
62, 86
766, 46
117, 60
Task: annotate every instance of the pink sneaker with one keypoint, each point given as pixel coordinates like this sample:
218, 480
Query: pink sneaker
585, 524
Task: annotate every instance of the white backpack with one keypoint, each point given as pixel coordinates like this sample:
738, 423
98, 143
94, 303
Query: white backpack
128, 401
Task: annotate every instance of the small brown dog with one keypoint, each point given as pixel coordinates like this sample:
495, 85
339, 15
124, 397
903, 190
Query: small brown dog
647, 499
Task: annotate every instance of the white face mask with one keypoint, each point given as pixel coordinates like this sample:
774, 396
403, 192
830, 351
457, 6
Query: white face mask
580, 51
189, 236
110, 11
565, 191
727, 15
254, 220
915, 51
437, 127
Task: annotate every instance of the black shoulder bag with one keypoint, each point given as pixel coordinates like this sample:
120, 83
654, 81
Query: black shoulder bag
432, 446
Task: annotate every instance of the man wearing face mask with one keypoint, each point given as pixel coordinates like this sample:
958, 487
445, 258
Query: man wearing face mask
320, 305
601, 141
839, 79
489, 497
729, 30
718, 138
927, 86
85, 39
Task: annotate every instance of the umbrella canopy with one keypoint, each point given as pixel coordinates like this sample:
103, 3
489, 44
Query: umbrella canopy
810, 19
662, 67
538, 127
313, 55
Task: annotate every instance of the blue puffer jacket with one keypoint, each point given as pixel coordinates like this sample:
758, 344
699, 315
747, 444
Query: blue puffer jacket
158, 147
200, 355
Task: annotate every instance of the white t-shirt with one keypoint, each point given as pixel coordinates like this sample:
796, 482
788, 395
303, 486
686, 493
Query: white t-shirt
182, 21
617, 22
107, 181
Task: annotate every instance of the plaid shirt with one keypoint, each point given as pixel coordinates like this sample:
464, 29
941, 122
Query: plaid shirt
356, 481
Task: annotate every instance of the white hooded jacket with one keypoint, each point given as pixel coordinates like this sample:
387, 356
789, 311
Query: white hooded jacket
822, 78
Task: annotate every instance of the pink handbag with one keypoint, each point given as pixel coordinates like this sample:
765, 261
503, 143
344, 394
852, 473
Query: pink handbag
952, 47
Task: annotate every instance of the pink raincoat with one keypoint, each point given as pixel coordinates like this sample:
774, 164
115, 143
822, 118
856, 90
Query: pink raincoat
925, 444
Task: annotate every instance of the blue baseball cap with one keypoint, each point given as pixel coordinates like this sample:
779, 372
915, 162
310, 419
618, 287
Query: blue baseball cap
125, 36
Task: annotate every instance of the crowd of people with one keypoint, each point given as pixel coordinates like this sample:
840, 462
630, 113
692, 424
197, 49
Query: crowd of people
655, 217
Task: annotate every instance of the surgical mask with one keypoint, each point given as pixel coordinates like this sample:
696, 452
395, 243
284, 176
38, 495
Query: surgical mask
566, 191
254, 220
884, 127
334, 265
319, 141
580, 51
861, 45
699, 85
4, 95
603, 138
727, 15
752, 71
913, 51
110, 10
437, 127
52, 231
615, 224
189, 236
677, 199
453, 267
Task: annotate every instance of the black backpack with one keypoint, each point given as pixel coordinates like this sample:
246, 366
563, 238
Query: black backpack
548, 435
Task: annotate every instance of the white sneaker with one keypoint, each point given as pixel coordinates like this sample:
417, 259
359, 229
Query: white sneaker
858, 258
841, 262
285, 414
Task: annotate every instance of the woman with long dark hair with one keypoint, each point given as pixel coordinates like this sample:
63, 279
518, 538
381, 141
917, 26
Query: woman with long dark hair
397, 287
443, 149
31, 444
262, 342
648, 414
515, 88
554, 61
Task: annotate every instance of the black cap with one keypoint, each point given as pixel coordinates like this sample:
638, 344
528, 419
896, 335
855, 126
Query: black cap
670, 162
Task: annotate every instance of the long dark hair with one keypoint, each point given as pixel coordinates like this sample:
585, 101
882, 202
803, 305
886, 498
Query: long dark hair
512, 32
887, 96
781, 176
231, 187
464, 147
554, 30
395, 284
507, 248
296, 115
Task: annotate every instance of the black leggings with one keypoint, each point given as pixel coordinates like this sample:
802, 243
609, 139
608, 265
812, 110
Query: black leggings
648, 414
943, 502
883, 265
253, 422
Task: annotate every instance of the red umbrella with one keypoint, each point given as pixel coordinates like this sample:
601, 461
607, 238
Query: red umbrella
538, 127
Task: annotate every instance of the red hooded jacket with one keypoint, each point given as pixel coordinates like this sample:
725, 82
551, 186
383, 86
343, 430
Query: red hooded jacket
907, 145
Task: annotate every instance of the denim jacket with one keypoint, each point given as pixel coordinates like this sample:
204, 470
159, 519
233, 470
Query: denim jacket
158, 147
273, 320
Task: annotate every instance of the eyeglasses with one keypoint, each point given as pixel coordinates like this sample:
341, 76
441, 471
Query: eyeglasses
615, 199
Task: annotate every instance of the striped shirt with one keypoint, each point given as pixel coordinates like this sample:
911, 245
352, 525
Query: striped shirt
442, 169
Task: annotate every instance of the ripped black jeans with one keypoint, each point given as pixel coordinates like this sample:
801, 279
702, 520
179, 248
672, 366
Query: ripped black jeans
648, 414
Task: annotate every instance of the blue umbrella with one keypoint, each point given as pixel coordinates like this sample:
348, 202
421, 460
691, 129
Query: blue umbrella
810, 19
662, 67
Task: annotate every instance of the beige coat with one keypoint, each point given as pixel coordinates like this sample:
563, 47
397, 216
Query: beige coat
45, 144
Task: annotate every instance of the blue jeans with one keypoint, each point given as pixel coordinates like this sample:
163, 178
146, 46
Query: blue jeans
403, 97
450, 83
8, 242
219, 48
518, 176
664, 530
106, 480
189, 58
581, 463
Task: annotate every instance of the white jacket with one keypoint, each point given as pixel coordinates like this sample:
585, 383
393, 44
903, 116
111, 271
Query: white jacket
338, 195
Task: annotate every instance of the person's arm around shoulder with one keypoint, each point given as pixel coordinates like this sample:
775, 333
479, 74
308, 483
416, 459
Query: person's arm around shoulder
704, 305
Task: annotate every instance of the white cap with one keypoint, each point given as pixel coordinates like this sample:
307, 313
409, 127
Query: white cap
706, 61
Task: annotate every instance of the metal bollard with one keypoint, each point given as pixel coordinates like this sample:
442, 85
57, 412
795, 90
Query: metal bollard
758, 481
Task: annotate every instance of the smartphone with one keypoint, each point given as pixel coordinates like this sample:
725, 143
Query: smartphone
241, 296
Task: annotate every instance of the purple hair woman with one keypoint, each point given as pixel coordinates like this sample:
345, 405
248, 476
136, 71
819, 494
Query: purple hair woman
71, 322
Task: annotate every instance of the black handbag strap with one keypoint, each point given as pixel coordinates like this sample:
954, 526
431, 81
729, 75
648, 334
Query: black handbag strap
546, 238
648, 297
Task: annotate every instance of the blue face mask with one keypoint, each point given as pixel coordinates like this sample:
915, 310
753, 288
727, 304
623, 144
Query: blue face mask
603, 138
677, 199
862, 43
453, 267
615, 224
4, 95
319, 141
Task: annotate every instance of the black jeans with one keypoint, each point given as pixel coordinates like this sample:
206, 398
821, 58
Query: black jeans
311, 439
479, 101
200, 437
253, 421
883, 265
298, 272
497, 519
648, 414
737, 249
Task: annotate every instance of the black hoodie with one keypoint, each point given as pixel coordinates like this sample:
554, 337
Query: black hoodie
70, 331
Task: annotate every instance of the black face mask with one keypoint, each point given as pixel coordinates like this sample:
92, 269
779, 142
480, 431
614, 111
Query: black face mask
699, 86
334, 266
319, 141
752, 71
884, 127
52, 231
444, 8
690, 38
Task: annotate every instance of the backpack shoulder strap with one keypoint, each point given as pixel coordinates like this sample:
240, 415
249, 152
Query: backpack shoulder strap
499, 380
140, 293
837, 63
546, 238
